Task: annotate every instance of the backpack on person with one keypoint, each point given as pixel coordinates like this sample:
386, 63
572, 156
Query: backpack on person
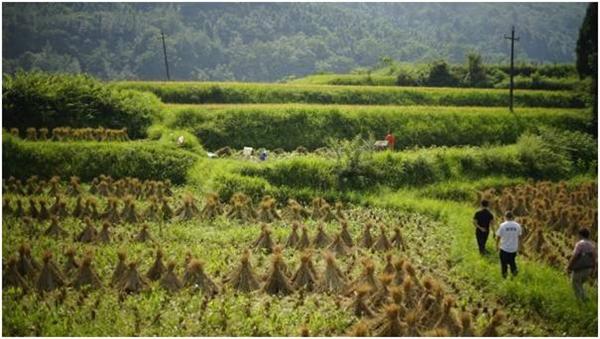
583, 261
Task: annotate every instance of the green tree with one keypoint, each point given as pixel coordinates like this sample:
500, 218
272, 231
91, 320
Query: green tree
440, 75
587, 56
476, 75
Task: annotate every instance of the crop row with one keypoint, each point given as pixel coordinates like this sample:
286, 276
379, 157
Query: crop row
125, 191
210, 92
289, 126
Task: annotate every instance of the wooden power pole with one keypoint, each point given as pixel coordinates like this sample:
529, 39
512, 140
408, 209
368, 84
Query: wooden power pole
512, 63
165, 53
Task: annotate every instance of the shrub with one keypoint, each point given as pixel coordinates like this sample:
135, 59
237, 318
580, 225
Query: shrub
537, 81
227, 184
309, 171
476, 75
557, 70
407, 79
440, 75
141, 159
47, 100
581, 148
170, 137
540, 159
354, 167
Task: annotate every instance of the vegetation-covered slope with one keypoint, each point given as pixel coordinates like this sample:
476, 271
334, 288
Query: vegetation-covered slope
266, 42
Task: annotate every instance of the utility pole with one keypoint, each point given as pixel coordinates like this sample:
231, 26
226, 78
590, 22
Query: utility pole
165, 53
512, 63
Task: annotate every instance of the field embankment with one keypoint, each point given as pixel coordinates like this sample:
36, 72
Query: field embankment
520, 82
141, 159
289, 126
45, 100
230, 92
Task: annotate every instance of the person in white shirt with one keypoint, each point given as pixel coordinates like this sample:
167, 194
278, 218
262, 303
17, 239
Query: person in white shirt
508, 241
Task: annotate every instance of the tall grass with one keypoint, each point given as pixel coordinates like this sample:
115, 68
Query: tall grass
38, 99
224, 92
531, 157
142, 159
288, 126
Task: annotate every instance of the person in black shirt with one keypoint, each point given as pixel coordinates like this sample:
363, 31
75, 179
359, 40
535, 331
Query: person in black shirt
482, 221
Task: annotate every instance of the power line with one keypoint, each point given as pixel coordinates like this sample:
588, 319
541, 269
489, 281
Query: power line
512, 63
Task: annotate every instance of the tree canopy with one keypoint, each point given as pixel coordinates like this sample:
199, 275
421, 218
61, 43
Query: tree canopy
266, 42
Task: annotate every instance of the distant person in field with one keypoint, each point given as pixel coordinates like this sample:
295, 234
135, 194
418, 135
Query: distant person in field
391, 140
508, 240
483, 220
263, 155
583, 263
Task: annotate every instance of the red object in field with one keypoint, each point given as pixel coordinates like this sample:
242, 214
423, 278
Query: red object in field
391, 140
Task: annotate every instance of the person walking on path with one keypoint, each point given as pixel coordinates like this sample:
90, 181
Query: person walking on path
508, 241
482, 221
391, 140
583, 263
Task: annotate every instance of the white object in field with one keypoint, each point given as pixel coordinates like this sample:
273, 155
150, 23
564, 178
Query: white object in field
248, 151
381, 143
211, 155
180, 140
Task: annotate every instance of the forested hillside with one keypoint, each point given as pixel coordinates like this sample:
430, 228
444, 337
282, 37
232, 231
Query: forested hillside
266, 42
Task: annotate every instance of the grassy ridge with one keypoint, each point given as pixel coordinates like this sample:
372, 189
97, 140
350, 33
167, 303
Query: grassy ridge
521, 82
39, 99
347, 80
533, 156
414, 168
225, 92
141, 159
288, 126
449, 172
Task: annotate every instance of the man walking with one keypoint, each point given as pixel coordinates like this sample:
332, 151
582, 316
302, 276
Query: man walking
508, 237
583, 263
482, 221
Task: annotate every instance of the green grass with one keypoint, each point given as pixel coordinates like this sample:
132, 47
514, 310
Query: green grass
87, 159
231, 92
530, 158
49, 100
288, 126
